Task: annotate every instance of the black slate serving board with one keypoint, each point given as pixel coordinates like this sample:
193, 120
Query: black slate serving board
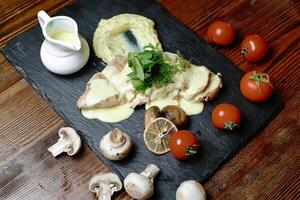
62, 92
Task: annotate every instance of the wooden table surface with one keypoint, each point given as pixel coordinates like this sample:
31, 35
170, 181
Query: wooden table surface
267, 168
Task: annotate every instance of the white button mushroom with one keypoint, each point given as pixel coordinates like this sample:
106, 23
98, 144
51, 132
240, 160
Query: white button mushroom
190, 190
140, 186
104, 185
115, 145
68, 142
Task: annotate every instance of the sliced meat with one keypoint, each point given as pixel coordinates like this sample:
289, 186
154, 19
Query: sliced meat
113, 87
139, 99
99, 93
215, 84
108, 88
117, 64
198, 79
116, 72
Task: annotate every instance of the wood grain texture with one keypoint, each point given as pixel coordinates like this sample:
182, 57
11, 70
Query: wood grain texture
17, 16
267, 168
8, 74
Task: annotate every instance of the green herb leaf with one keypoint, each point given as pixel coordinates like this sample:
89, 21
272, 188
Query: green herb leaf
138, 68
153, 67
146, 55
147, 64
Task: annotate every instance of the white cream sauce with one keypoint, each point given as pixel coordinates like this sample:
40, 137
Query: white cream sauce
191, 108
161, 103
110, 114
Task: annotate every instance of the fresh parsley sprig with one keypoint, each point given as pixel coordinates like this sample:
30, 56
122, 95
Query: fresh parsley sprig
152, 67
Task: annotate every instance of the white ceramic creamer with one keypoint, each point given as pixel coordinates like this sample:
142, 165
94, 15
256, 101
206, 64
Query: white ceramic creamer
63, 51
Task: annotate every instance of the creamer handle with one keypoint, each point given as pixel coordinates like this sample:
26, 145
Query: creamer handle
43, 18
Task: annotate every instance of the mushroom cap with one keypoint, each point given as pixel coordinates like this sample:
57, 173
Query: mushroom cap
190, 190
176, 115
138, 186
151, 114
115, 145
110, 179
69, 134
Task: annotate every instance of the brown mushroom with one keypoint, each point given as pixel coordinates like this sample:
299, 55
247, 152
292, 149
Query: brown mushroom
151, 114
176, 115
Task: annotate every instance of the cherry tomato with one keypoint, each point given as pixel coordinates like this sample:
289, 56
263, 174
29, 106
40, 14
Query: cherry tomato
226, 116
256, 86
183, 144
254, 48
221, 33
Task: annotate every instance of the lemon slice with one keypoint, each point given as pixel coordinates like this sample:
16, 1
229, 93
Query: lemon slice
157, 135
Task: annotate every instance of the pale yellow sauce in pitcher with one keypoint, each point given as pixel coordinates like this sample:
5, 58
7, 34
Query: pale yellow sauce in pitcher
67, 37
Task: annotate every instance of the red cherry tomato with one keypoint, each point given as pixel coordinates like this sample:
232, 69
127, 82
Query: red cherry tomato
256, 86
183, 144
254, 48
226, 116
221, 33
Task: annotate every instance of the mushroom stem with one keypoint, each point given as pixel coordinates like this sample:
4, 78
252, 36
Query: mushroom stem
150, 172
59, 147
104, 185
104, 192
115, 145
117, 137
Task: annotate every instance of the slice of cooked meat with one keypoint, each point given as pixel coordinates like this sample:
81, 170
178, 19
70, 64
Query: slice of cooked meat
198, 79
99, 93
118, 62
215, 84
113, 87
115, 65
138, 100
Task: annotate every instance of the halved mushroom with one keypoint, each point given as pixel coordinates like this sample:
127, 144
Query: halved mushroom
104, 185
190, 190
176, 115
140, 186
151, 114
115, 145
69, 142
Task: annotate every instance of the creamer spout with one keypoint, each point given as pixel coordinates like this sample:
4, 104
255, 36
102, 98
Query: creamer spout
77, 44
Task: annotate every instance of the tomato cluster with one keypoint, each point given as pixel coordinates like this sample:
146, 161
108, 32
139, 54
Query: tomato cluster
253, 47
254, 86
